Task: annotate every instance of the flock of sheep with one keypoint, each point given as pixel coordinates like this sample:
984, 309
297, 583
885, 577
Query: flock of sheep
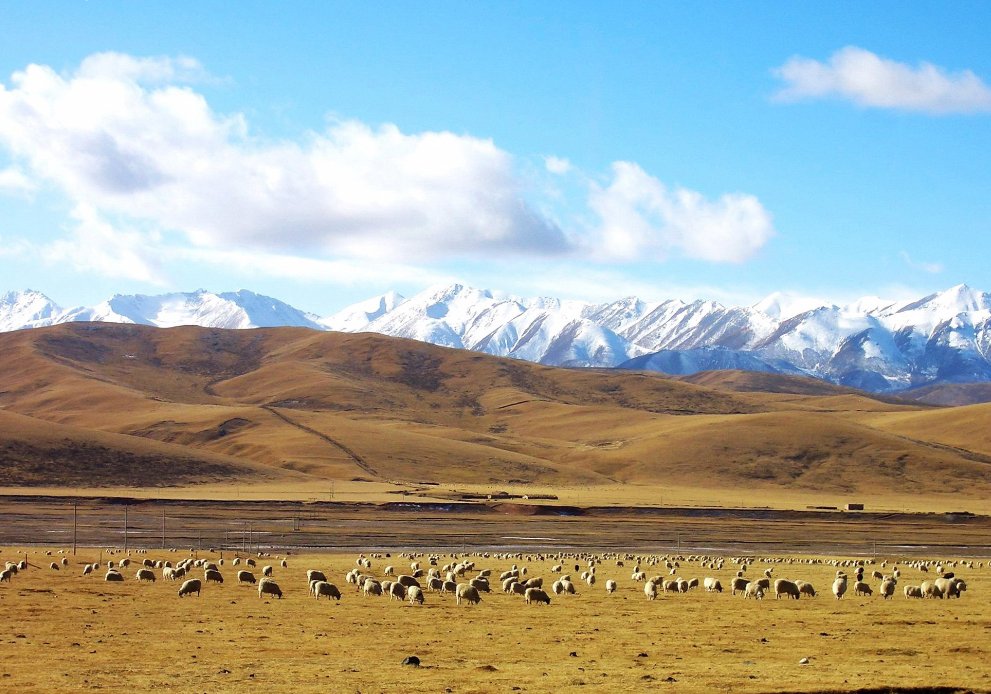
466, 578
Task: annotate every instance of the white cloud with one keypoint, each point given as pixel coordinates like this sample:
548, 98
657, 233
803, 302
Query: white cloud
156, 175
96, 246
869, 80
557, 165
642, 219
14, 181
931, 268
115, 138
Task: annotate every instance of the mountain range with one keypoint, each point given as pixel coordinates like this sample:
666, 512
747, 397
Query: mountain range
871, 344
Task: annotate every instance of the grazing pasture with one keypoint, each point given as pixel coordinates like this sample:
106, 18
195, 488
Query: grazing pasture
70, 631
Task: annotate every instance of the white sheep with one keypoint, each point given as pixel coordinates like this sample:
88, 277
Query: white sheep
913, 591
189, 587
244, 576
313, 574
267, 570
113, 575
468, 593
861, 588
371, 587
712, 585
213, 575
324, 588
396, 591
887, 588
269, 587
145, 575
414, 595
839, 586
931, 590
783, 586
536, 595
650, 590
806, 588
610, 586
754, 590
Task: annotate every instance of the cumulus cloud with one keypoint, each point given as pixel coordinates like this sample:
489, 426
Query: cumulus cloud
870, 80
643, 218
95, 245
155, 175
14, 181
122, 136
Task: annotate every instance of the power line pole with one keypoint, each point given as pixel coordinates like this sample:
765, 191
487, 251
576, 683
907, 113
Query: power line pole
163, 528
125, 529
74, 511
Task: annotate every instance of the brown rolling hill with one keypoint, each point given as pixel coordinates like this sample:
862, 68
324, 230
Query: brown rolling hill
190, 405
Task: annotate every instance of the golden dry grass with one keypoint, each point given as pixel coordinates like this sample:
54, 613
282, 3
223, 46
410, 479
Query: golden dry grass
290, 410
68, 632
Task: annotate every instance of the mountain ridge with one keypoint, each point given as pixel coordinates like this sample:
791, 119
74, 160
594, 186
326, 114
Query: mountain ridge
874, 344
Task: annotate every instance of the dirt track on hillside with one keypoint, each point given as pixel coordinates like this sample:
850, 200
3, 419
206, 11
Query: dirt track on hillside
299, 526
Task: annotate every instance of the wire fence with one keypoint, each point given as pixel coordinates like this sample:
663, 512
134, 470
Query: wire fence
293, 527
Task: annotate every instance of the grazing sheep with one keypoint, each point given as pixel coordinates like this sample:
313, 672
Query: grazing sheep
5, 575
670, 586
371, 587
314, 575
610, 587
931, 590
536, 595
435, 584
53, 566
389, 571
88, 569
783, 586
407, 581
113, 575
267, 571
947, 586
739, 584
328, 589
414, 595
189, 587
959, 586
712, 585
145, 575
887, 588
650, 590
244, 576
806, 589
754, 590
65, 562
467, 593
861, 588
839, 586
480, 583
397, 591
269, 587
450, 587
913, 591
213, 575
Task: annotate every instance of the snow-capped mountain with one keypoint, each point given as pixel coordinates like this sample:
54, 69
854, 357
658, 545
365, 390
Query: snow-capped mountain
27, 309
871, 343
241, 309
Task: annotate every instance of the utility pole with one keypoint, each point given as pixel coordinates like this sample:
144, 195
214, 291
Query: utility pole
125, 529
74, 511
163, 528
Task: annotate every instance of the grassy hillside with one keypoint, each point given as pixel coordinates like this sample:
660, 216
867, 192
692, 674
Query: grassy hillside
295, 404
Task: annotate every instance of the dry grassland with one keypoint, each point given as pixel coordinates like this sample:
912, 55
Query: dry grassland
69, 632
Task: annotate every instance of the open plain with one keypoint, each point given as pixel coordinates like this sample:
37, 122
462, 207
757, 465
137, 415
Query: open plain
67, 631
125, 441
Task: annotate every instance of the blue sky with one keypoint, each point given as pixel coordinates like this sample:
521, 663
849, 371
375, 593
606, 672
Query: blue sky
323, 153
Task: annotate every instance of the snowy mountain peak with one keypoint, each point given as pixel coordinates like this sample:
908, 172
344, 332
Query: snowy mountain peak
870, 343
27, 309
